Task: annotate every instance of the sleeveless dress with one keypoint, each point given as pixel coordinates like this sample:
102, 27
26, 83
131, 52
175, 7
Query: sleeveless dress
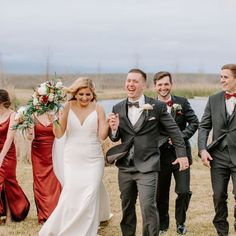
77, 212
47, 188
9, 187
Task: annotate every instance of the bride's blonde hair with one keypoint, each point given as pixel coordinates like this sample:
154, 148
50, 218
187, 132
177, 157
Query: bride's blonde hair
80, 83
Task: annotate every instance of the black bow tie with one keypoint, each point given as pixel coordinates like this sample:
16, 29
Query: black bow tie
130, 104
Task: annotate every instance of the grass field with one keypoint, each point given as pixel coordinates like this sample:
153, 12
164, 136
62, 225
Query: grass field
199, 217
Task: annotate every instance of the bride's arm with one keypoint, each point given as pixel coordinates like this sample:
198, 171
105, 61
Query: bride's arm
102, 123
60, 127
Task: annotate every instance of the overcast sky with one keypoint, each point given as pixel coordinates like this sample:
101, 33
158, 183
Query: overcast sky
116, 35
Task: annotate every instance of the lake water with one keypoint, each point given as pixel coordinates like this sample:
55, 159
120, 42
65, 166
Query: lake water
198, 106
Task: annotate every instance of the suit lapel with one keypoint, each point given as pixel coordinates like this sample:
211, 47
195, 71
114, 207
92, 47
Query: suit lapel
232, 116
143, 117
172, 112
124, 113
223, 108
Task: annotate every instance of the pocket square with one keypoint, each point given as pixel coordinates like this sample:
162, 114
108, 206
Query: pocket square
152, 118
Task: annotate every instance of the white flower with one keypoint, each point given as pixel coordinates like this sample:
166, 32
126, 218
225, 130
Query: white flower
177, 107
50, 97
42, 90
35, 101
58, 84
147, 107
20, 113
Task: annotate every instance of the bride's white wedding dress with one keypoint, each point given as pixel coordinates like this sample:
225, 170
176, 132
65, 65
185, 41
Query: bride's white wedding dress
78, 209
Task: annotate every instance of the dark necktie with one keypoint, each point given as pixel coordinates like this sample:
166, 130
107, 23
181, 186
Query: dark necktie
130, 104
169, 103
228, 96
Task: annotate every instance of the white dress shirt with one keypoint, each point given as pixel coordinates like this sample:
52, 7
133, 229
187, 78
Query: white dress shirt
134, 112
230, 105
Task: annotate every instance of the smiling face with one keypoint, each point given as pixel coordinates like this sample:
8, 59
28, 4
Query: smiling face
84, 96
134, 85
163, 88
228, 81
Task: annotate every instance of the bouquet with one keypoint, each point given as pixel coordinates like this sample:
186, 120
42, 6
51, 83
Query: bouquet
48, 97
23, 119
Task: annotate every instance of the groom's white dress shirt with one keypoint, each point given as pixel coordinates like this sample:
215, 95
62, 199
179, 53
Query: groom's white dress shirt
134, 112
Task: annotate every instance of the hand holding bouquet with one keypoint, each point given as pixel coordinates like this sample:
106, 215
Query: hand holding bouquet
47, 98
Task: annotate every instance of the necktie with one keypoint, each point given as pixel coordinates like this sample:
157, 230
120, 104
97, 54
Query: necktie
169, 103
136, 104
228, 96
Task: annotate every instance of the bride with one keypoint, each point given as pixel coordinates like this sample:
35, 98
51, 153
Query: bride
82, 124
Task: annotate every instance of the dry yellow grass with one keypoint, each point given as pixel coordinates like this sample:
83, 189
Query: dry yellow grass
199, 217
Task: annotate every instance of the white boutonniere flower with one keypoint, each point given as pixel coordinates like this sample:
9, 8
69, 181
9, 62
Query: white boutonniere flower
177, 108
147, 107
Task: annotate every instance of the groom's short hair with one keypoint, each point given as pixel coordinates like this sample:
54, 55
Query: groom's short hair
136, 70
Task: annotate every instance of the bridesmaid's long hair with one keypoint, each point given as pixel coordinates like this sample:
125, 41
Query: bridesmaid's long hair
4, 98
80, 83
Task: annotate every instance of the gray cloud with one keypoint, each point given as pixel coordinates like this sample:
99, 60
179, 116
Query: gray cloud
116, 35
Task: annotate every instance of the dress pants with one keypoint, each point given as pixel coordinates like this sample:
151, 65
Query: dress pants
182, 189
132, 184
220, 176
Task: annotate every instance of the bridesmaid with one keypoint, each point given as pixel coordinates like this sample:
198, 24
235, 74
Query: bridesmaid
14, 204
47, 188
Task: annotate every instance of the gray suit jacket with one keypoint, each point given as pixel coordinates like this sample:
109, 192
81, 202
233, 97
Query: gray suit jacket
144, 135
224, 130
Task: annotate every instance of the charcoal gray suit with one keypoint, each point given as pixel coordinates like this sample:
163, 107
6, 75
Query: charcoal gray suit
138, 170
223, 151
188, 124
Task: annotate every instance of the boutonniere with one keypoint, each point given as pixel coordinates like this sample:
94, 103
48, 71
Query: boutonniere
147, 107
177, 108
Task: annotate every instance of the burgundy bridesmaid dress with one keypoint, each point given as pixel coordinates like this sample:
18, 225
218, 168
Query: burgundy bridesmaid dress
10, 190
47, 188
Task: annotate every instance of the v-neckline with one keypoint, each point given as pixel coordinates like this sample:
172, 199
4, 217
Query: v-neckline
81, 124
39, 122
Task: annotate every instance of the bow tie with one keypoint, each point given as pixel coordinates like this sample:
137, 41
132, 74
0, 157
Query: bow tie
130, 104
169, 103
228, 96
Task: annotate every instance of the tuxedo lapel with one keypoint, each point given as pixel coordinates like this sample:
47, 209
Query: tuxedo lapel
232, 116
223, 107
172, 112
124, 113
143, 117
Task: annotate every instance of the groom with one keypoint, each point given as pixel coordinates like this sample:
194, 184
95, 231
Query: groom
136, 121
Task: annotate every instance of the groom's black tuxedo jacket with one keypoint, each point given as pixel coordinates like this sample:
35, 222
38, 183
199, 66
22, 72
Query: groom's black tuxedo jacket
187, 122
144, 135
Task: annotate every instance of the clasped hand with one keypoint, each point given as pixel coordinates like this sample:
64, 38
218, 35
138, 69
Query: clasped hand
113, 121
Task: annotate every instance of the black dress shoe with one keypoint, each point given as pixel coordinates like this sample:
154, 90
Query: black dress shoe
162, 231
181, 229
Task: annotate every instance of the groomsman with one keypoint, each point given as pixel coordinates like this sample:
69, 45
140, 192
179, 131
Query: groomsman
220, 156
136, 122
187, 121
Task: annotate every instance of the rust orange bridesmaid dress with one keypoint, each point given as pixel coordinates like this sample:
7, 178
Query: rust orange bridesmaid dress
10, 191
47, 188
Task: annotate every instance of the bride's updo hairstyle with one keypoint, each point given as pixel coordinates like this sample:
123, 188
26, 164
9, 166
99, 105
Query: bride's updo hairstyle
80, 83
